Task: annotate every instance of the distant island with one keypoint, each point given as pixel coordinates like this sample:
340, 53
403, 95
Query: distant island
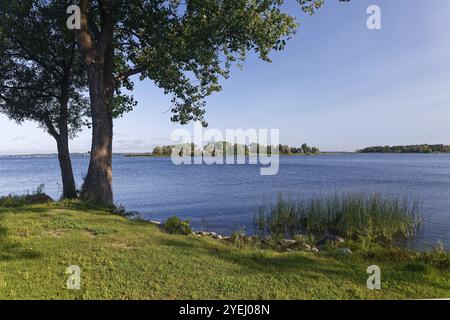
222, 148
420, 148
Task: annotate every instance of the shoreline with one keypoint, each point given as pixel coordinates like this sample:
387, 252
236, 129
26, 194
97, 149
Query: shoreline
137, 155
150, 263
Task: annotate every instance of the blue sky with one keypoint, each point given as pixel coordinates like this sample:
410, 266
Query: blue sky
337, 85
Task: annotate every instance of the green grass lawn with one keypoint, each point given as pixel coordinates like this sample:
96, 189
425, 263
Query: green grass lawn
124, 259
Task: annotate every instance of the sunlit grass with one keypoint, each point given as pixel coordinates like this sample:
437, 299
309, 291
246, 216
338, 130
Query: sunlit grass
121, 258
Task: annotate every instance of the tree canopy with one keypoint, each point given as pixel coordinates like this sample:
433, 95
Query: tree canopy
39, 69
42, 78
185, 47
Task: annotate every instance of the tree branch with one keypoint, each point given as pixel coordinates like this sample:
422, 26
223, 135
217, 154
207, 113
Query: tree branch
40, 90
28, 55
129, 73
7, 100
50, 127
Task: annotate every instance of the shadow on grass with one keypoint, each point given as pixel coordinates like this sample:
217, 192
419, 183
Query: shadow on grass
13, 251
79, 205
76, 205
278, 264
23, 209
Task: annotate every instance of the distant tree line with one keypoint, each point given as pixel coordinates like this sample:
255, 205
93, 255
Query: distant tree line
162, 151
226, 148
305, 149
422, 148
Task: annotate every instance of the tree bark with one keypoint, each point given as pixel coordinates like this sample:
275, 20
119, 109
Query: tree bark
62, 142
98, 183
69, 189
98, 54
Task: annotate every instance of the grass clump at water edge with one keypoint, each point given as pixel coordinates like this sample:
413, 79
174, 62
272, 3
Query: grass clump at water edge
372, 217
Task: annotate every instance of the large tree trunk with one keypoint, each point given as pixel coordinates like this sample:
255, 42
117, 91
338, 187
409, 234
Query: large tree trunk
98, 56
69, 189
98, 184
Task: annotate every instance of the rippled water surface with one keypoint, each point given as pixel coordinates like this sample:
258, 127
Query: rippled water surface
224, 198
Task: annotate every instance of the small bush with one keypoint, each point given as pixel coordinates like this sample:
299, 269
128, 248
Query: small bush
437, 257
175, 225
37, 196
417, 267
39, 190
121, 211
304, 239
237, 238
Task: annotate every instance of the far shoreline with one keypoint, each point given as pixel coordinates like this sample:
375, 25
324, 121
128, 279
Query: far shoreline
140, 155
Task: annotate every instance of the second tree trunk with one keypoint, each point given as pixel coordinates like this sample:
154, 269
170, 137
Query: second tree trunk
69, 188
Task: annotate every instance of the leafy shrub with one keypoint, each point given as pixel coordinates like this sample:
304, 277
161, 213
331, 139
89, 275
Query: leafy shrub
303, 239
437, 257
175, 225
121, 211
417, 267
240, 240
39, 190
237, 238
37, 196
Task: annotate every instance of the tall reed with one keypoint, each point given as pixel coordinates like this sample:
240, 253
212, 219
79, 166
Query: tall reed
373, 216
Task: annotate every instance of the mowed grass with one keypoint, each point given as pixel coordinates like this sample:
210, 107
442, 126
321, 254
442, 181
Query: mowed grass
125, 259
